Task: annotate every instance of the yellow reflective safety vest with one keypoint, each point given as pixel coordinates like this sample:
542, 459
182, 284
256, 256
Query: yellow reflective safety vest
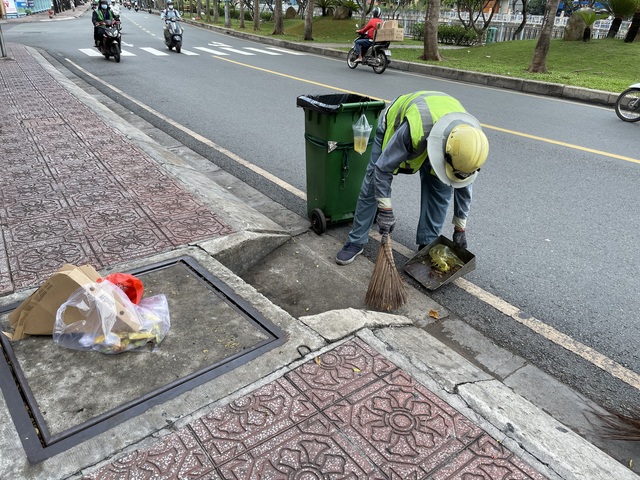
421, 110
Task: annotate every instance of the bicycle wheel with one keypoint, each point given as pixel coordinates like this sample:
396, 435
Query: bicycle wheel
628, 105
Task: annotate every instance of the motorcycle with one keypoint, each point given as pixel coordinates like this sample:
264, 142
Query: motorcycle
628, 104
377, 56
110, 45
173, 34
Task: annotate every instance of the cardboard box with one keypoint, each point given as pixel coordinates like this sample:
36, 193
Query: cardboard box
389, 24
37, 314
389, 35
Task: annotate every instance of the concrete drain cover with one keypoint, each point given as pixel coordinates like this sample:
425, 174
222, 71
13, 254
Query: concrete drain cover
59, 398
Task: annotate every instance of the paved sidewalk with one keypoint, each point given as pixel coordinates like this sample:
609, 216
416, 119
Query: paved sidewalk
351, 394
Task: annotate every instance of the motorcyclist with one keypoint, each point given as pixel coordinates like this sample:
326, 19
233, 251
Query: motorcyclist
99, 18
169, 12
362, 44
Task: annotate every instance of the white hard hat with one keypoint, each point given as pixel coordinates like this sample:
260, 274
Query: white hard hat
440, 140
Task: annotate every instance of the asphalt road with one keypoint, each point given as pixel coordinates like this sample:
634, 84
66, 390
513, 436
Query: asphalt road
553, 219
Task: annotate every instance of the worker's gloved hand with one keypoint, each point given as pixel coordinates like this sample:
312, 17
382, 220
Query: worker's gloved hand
459, 239
385, 220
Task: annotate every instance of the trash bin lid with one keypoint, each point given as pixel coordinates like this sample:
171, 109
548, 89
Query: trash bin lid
336, 102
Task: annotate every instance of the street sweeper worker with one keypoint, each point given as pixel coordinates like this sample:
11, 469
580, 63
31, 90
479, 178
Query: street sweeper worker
430, 133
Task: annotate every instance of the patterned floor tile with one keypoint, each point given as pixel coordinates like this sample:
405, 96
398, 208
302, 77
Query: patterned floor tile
229, 431
405, 429
486, 459
70, 196
339, 372
311, 450
177, 456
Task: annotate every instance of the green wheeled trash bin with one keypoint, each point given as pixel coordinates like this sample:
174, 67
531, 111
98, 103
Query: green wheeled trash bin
334, 169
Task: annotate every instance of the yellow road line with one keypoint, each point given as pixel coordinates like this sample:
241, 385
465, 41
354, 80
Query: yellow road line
563, 144
491, 127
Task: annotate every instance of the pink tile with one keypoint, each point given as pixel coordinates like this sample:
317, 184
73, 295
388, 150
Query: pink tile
176, 456
229, 431
339, 372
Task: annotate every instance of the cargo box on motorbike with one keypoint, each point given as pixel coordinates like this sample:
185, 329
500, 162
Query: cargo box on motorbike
389, 32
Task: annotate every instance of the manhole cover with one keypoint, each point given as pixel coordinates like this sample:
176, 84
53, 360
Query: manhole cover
59, 397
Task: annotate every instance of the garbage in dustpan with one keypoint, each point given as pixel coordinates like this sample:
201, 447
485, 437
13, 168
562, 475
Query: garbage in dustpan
419, 266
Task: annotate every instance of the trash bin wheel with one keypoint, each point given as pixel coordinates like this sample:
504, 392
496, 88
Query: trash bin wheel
318, 221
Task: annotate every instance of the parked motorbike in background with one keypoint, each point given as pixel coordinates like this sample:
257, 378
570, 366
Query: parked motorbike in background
173, 34
628, 104
110, 44
377, 56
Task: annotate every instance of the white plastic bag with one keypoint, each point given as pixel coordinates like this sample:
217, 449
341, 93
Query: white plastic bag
100, 317
361, 134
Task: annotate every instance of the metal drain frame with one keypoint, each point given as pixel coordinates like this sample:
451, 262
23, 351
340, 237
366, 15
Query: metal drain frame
24, 409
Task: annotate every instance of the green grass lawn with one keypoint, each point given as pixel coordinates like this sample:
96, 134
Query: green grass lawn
607, 64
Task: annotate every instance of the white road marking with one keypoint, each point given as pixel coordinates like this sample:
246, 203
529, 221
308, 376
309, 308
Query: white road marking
92, 52
187, 52
153, 51
260, 50
290, 52
211, 51
125, 53
241, 52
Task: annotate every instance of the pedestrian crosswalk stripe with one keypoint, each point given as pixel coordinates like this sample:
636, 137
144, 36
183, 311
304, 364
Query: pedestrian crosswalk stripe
266, 52
125, 53
209, 50
91, 52
187, 52
241, 52
290, 52
153, 51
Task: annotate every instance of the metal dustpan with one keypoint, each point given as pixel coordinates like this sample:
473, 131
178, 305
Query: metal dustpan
419, 266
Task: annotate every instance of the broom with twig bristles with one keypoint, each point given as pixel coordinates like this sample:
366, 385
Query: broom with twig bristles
386, 289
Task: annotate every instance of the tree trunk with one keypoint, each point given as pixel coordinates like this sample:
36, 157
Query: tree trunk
278, 28
633, 28
256, 16
523, 23
199, 7
539, 60
308, 20
208, 17
431, 31
615, 27
216, 11
242, 14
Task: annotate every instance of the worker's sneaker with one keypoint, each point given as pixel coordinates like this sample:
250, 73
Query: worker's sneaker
348, 253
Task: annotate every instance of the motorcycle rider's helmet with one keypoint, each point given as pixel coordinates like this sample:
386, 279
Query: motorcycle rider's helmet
376, 12
170, 5
104, 4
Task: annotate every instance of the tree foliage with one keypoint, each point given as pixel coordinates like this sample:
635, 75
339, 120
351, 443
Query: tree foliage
620, 9
480, 14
